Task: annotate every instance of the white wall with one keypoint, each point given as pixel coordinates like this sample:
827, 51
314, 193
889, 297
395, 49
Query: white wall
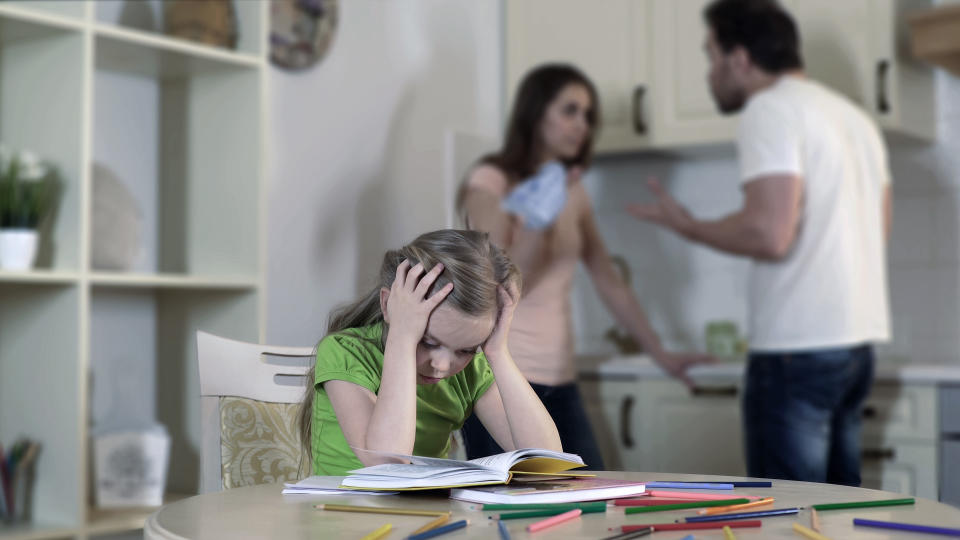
358, 147
683, 286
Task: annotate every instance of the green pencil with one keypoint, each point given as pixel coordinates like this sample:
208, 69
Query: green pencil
600, 506
863, 504
682, 506
546, 513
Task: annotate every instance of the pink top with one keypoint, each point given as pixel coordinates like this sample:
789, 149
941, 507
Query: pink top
541, 336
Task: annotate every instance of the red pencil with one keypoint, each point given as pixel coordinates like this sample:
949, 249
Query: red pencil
693, 526
652, 502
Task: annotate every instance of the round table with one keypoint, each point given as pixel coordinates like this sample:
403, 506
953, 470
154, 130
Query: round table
263, 512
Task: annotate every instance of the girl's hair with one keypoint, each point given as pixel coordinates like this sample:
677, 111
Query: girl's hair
519, 156
474, 265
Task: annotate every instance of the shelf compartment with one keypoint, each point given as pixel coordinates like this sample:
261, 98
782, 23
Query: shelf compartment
39, 340
41, 107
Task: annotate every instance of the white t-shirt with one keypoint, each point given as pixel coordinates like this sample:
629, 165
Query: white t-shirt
831, 289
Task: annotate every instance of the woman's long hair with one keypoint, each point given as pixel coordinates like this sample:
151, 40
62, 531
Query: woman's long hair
522, 146
471, 262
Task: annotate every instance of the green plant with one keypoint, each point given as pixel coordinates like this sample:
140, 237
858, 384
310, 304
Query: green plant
28, 190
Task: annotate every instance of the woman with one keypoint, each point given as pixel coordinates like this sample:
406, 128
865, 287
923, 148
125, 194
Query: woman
529, 199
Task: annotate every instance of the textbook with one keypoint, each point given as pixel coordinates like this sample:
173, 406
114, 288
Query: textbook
567, 490
436, 473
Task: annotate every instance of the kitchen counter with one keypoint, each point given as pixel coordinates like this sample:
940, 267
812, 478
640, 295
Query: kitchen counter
642, 366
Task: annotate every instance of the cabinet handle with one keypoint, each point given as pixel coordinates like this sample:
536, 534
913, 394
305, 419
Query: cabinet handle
639, 124
715, 391
878, 454
626, 406
883, 104
869, 412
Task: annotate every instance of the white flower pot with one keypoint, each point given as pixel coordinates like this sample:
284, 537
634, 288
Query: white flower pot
18, 248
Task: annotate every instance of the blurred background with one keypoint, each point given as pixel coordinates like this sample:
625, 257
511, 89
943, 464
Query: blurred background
241, 166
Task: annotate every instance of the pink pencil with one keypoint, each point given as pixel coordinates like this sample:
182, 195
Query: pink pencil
699, 496
551, 521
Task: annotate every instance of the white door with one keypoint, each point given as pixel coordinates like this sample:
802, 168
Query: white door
607, 40
683, 108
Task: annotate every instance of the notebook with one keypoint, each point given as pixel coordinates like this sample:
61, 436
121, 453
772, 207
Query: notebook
551, 491
436, 473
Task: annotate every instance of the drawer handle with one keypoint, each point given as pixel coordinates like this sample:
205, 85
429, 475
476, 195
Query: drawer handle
639, 123
878, 454
715, 391
626, 407
869, 412
883, 104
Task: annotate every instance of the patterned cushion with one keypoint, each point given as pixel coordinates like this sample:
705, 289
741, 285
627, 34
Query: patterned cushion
259, 443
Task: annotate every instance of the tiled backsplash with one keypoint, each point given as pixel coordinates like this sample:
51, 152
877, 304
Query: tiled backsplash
683, 286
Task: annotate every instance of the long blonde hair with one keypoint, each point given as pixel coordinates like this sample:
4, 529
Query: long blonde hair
474, 265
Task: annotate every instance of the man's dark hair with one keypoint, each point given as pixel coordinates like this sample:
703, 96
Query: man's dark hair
761, 27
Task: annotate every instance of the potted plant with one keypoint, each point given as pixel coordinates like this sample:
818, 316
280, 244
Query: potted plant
28, 191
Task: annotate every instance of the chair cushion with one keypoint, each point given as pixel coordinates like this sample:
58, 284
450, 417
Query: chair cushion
259, 443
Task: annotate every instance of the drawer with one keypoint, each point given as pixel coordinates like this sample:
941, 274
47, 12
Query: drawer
950, 472
900, 466
950, 409
896, 411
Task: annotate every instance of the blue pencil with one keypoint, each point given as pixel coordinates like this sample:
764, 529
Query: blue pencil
906, 527
688, 537
733, 483
439, 530
688, 485
504, 533
742, 515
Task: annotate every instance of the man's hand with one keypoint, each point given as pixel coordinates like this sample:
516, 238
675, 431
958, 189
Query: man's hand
666, 211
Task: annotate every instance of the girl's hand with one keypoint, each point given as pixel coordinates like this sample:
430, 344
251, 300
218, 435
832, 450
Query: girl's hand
496, 344
407, 307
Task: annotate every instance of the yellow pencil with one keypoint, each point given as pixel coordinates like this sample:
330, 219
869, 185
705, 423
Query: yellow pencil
815, 520
379, 533
812, 535
433, 524
731, 508
378, 510
728, 533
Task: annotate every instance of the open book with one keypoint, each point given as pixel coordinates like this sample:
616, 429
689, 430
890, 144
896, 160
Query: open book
435, 473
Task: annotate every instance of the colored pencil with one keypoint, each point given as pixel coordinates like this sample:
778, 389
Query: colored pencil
379, 533
586, 507
906, 527
863, 504
679, 506
504, 533
728, 533
743, 515
736, 484
721, 509
815, 520
811, 534
694, 526
688, 537
378, 510
688, 485
551, 521
628, 535
530, 514
650, 501
433, 523
699, 496
440, 530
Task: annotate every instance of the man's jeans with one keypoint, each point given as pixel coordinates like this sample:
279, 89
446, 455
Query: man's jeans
801, 414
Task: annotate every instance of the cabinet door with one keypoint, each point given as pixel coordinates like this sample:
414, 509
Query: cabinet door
900, 467
683, 108
612, 407
691, 431
606, 40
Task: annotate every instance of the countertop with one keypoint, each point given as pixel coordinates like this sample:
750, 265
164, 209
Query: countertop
642, 366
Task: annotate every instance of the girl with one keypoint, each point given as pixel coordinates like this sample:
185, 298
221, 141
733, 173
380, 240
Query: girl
528, 198
404, 366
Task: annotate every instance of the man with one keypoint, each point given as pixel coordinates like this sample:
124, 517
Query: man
815, 216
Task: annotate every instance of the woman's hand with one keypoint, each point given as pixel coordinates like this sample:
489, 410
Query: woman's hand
676, 364
407, 307
496, 345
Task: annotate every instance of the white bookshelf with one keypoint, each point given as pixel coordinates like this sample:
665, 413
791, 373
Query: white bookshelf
183, 126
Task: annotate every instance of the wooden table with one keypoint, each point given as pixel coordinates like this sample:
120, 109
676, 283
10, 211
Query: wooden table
263, 512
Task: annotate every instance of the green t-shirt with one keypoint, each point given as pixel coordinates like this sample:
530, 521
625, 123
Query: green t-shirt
355, 355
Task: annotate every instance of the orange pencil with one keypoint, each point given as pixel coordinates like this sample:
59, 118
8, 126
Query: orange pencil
814, 520
731, 508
